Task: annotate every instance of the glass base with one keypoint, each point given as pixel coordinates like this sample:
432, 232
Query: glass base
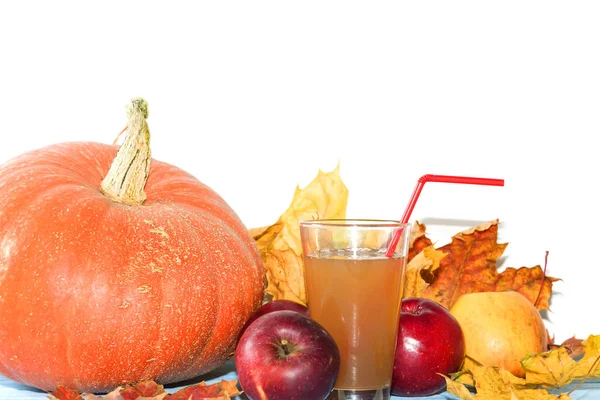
347, 394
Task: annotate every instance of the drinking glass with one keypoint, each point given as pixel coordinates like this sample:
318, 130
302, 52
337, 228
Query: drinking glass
354, 290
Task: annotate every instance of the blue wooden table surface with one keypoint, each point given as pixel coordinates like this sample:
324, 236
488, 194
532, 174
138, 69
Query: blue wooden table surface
10, 390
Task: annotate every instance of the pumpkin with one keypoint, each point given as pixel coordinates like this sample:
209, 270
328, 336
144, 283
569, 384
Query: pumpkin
116, 268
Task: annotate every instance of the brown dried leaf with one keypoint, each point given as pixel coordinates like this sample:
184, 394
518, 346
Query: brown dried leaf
223, 390
150, 390
116, 395
574, 347
470, 265
279, 244
145, 389
526, 280
64, 393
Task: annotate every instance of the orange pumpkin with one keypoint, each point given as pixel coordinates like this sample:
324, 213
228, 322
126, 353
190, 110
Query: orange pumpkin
106, 278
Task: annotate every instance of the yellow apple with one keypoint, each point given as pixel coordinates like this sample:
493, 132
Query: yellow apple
500, 328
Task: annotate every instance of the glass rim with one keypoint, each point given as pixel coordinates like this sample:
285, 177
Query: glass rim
354, 222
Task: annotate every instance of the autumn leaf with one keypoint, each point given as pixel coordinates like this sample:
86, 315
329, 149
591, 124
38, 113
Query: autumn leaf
556, 368
150, 390
145, 389
551, 369
420, 271
469, 264
223, 390
574, 347
418, 240
458, 389
493, 383
63, 393
527, 282
279, 244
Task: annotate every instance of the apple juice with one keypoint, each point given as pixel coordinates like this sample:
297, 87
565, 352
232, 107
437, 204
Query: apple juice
357, 299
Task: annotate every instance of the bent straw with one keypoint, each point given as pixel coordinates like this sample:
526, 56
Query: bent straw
417, 192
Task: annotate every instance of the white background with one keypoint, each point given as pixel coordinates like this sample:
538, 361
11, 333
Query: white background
255, 97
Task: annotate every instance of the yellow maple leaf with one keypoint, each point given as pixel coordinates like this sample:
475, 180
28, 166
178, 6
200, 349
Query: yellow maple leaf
556, 368
553, 368
492, 383
549, 369
589, 363
418, 273
279, 244
458, 389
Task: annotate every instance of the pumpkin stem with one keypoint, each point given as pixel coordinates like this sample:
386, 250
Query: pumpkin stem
126, 178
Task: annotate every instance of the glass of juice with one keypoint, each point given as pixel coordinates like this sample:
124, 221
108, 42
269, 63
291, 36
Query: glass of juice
354, 290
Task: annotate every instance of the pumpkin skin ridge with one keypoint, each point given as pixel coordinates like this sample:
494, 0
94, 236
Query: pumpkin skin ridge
222, 293
22, 213
151, 350
183, 198
234, 226
202, 344
151, 369
187, 373
201, 332
81, 184
47, 170
181, 204
54, 150
101, 220
6, 226
230, 225
247, 266
26, 209
73, 358
50, 188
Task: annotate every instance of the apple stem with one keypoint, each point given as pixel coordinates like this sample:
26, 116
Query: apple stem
285, 348
543, 280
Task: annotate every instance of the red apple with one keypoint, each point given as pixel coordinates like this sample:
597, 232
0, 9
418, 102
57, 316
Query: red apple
275, 305
286, 355
430, 342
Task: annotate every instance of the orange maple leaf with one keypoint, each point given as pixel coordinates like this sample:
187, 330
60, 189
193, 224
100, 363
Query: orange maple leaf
150, 390
469, 264
217, 391
64, 393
